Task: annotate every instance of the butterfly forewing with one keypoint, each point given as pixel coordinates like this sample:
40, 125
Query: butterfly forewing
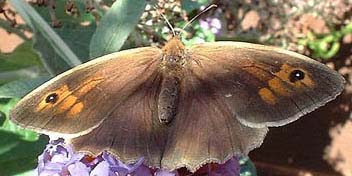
264, 86
80, 99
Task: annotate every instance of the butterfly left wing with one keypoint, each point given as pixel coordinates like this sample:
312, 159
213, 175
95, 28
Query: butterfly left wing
78, 100
264, 86
132, 130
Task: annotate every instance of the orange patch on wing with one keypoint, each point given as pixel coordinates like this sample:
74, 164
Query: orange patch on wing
76, 109
285, 72
307, 81
67, 103
279, 87
62, 92
258, 73
268, 96
89, 85
43, 105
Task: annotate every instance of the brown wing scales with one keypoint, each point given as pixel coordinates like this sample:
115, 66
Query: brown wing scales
86, 94
132, 130
205, 130
266, 95
227, 96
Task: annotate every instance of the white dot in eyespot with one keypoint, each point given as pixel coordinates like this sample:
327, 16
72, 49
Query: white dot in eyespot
228, 95
296, 75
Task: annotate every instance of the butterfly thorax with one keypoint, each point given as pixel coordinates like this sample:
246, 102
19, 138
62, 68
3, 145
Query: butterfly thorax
173, 61
173, 53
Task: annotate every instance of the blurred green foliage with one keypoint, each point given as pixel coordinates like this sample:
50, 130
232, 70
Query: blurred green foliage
54, 50
325, 46
19, 148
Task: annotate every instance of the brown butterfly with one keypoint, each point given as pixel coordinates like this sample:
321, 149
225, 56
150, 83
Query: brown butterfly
179, 106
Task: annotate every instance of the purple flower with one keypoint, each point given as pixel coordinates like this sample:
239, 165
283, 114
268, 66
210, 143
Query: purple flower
116, 166
229, 168
59, 159
212, 24
162, 172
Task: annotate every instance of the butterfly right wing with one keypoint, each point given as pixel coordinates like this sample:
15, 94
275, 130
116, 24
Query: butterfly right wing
264, 86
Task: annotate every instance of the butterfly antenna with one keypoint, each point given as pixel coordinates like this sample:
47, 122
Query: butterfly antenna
199, 14
166, 20
169, 24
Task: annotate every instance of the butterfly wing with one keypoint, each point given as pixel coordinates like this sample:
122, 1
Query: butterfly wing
264, 86
205, 130
229, 94
132, 130
77, 101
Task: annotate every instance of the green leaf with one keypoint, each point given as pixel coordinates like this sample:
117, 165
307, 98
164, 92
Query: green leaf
19, 148
5, 106
19, 88
115, 26
347, 29
22, 57
190, 5
27, 173
23, 63
18, 155
25, 73
55, 54
76, 35
2, 118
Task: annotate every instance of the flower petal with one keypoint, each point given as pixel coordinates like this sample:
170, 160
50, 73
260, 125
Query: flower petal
142, 170
78, 169
162, 172
229, 168
102, 169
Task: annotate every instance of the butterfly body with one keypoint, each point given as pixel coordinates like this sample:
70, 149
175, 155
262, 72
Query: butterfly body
179, 106
172, 67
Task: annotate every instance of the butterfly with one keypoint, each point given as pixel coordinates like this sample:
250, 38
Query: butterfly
179, 106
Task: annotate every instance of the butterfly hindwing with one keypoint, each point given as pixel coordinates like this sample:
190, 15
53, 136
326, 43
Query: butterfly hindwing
205, 130
132, 130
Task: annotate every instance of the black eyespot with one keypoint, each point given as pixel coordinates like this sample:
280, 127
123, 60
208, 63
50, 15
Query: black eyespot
296, 75
52, 98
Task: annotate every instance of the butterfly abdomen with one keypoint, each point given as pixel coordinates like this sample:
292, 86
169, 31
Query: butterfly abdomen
171, 68
168, 99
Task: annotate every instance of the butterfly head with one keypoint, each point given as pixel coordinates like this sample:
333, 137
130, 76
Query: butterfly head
174, 47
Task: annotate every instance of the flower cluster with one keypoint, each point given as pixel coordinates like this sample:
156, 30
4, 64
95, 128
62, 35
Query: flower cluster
60, 159
212, 24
